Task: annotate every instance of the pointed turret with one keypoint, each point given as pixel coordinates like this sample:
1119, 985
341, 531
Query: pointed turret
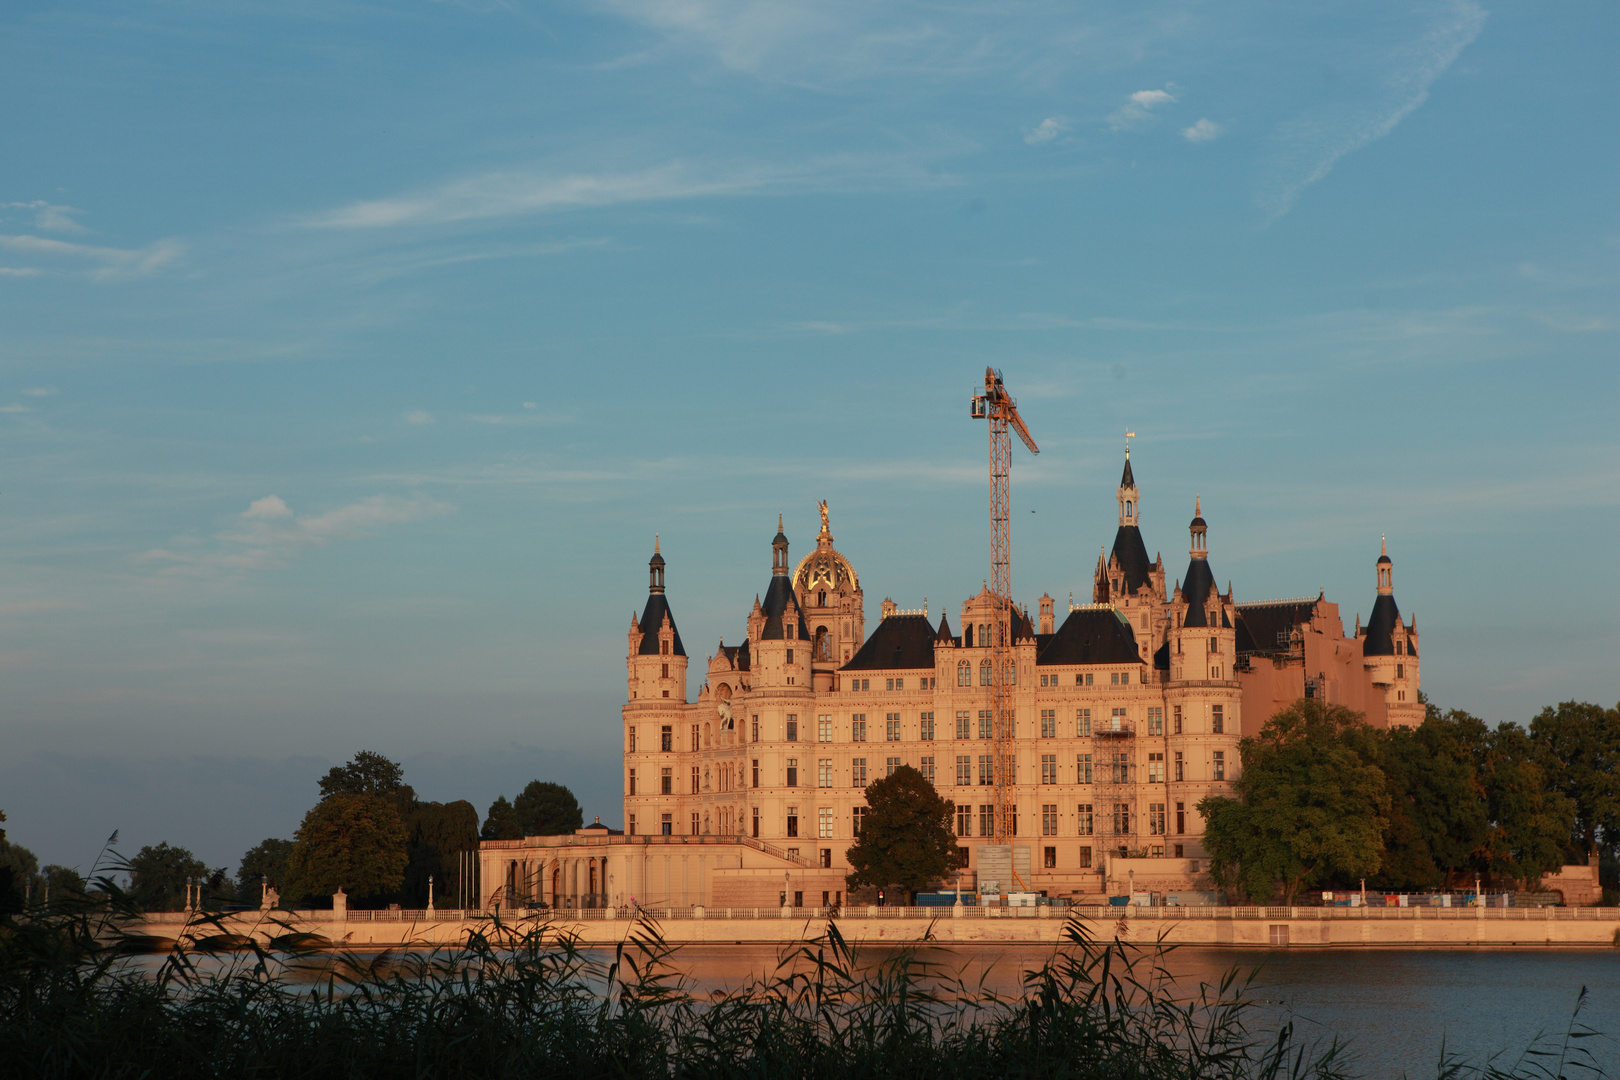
1128, 569
1199, 585
783, 616
1386, 616
657, 612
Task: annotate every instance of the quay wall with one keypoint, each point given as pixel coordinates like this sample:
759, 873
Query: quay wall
1307, 927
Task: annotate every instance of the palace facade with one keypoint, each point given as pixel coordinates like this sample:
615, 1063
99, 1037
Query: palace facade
1127, 711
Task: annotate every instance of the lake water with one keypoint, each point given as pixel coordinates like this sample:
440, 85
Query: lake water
1394, 1007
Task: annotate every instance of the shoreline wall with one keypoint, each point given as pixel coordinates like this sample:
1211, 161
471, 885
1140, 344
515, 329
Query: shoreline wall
1489, 928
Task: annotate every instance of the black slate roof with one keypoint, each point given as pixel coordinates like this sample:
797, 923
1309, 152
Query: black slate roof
653, 618
775, 605
737, 654
1380, 634
1260, 627
1127, 480
1197, 589
1132, 555
900, 641
1091, 636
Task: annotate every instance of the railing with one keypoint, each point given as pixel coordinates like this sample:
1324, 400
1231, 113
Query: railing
969, 911
648, 840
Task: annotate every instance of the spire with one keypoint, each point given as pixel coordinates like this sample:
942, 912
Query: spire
824, 538
655, 569
1199, 528
1128, 503
779, 551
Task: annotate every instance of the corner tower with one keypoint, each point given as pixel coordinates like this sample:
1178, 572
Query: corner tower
657, 659
1389, 648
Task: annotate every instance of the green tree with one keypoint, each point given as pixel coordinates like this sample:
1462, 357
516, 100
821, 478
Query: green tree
547, 809
1530, 821
159, 875
369, 773
64, 881
906, 841
352, 842
263, 864
438, 831
1310, 805
1437, 817
18, 867
502, 822
1580, 746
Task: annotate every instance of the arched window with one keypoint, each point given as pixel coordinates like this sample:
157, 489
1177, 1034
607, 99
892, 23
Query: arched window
984, 673
821, 598
964, 674
821, 650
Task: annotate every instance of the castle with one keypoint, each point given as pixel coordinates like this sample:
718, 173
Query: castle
1127, 713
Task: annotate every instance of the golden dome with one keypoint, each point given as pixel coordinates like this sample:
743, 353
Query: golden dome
824, 569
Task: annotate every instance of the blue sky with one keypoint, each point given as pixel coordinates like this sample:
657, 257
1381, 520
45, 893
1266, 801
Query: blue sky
351, 354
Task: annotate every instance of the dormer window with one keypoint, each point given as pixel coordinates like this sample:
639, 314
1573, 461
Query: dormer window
663, 647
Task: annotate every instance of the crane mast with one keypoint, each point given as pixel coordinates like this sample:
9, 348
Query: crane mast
998, 407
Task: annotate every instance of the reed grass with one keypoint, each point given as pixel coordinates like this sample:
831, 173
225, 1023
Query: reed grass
530, 1001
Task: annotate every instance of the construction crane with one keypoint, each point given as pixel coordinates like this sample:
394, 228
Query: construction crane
998, 407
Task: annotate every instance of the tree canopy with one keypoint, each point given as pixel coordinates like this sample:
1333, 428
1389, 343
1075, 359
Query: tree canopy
542, 808
160, 873
1580, 755
263, 864
368, 773
906, 841
352, 842
437, 832
1309, 805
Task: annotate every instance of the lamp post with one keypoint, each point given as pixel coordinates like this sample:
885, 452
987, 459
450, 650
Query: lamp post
430, 892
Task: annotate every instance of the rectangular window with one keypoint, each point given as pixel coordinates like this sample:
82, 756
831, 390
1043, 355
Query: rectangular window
1156, 819
1049, 858
891, 764
1156, 720
754, 732
1084, 816
926, 727
666, 671
857, 772
1175, 712
694, 744
857, 819
1118, 720
1049, 819
1180, 768
1082, 723
756, 772
694, 831
632, 825
1087, 676
790, 655
1155, 768
891, 726
986, 724
927, 769
1122, 819
1048, 723
987, 769
826, 864
793, 821
1181, 822
857, 727
1217, 720
964, 821
792, 772
756, 823
1114, 678
666, 824
666, 781
824, 728
1085, 858
824, 831
888, 684
666, 738
964, 724
824, 772
987, 820
1048, 768
899, 684
632, 781
1119, 767
695, 778
1400, 671
792, 728
964, 768
632, 740
1220, 766
1082, 769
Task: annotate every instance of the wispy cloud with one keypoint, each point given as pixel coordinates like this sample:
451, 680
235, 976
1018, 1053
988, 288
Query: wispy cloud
268, 534
48, 216
419, 416
1139, 106
41, 391
1201, 132
1046, 130
510, 193
14, 408
1310, 146
107, 262
20, 271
